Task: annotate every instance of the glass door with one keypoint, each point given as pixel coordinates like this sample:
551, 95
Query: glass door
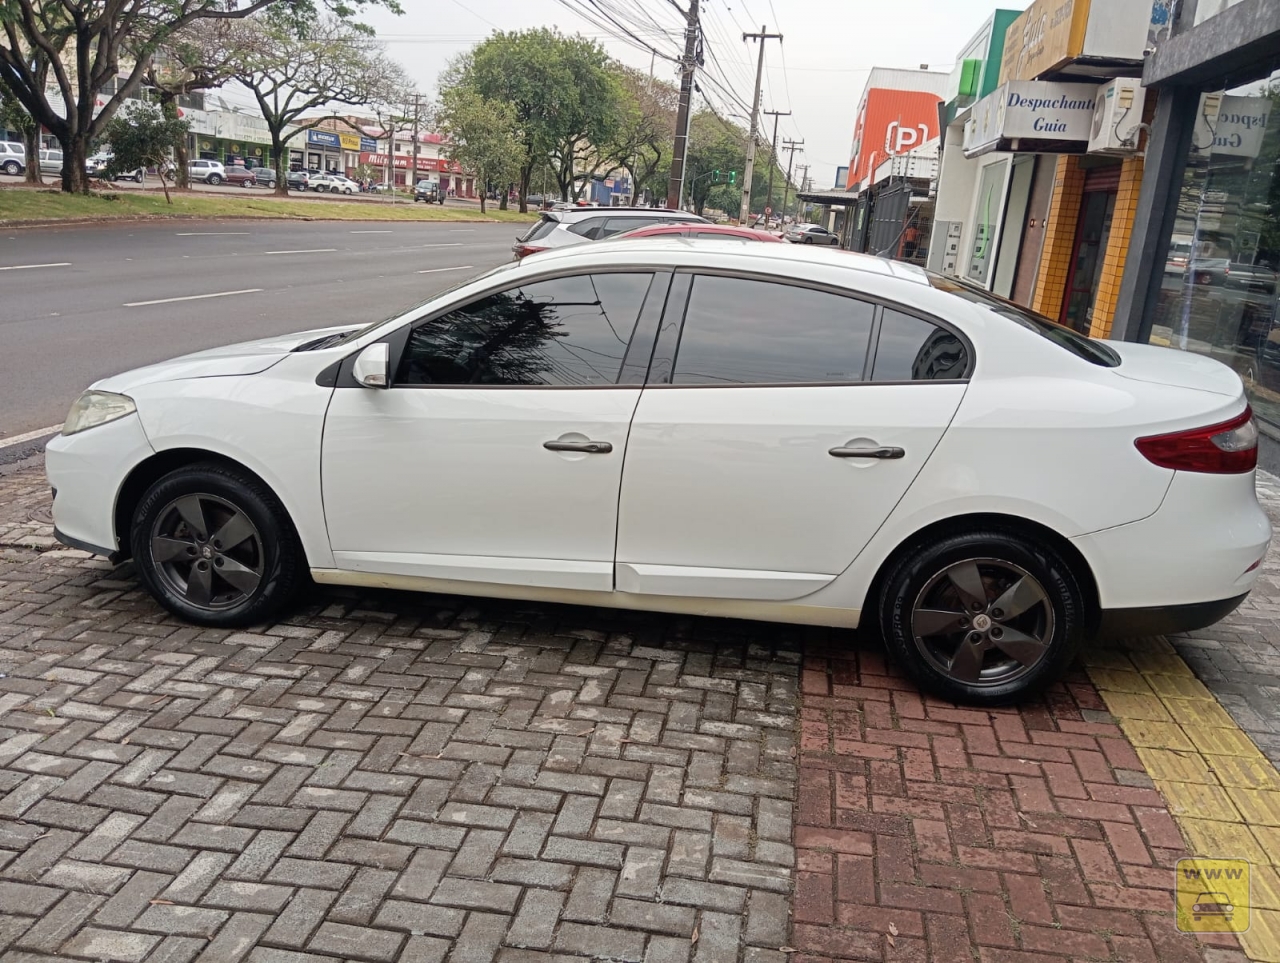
1092, 233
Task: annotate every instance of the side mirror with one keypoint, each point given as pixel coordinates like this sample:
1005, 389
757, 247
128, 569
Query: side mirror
372, 367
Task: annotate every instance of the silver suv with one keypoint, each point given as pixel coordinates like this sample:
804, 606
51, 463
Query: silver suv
13, 157
209, 171
577, 226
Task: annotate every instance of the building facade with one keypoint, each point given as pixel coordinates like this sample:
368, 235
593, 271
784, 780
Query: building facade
1204, 256
1038, 189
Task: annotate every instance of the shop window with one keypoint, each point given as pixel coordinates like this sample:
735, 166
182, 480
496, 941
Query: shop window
1218, 296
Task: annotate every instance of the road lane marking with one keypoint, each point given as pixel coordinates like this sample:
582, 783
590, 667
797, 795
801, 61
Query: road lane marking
190, 297
447, 244
27, 267
29, 436
460, 267
462, 230
369, 232
212, 234
312, 250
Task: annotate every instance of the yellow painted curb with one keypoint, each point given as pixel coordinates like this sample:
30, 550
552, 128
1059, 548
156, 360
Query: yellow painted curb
1221, 790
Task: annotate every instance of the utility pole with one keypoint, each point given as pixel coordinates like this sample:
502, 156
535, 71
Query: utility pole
773, 148
412, 179
688, 64
791, 146
762, 36
803, 186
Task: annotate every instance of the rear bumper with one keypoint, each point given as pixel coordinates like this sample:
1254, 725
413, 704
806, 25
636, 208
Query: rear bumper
111, 554
1200, 548
1164, 619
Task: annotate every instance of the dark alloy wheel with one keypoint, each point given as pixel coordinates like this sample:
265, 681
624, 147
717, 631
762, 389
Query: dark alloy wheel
987, 617
214, 546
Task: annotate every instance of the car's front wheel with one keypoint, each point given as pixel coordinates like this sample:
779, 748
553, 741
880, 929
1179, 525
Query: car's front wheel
12, 168
215, 546
986, 617
214, 180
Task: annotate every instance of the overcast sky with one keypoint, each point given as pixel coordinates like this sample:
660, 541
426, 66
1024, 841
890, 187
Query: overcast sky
818, 73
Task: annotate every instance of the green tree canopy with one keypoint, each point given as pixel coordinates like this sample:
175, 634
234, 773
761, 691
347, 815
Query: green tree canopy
483, 136
142, 136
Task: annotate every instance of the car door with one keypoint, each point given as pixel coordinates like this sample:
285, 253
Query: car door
496, 454
780, 426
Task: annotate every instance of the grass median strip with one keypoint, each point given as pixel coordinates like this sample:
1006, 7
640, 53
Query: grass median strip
19, 205
1222, 791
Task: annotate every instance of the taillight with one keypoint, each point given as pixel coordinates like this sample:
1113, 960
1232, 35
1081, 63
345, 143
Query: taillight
1225, 448
524, 250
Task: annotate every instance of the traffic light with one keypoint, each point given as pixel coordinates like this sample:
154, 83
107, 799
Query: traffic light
715, 176
733, 177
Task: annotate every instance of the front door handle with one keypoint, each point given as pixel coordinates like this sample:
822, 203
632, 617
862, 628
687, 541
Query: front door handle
590, 447
881, 453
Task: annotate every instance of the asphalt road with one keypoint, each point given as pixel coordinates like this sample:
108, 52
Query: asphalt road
73, 301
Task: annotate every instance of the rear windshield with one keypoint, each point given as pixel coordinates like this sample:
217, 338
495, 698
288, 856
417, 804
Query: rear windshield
1087, 349
541, 229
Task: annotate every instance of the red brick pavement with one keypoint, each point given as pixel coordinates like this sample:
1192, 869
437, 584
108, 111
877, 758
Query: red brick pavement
930, 832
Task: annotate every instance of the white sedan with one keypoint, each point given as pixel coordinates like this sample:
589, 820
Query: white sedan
694, 427
333, 184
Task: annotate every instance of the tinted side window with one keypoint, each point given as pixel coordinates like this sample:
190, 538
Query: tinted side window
758, 332
588, 228
565, 332
616, 225
914, 350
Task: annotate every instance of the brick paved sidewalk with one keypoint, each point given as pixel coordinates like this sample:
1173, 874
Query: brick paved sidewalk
389, 777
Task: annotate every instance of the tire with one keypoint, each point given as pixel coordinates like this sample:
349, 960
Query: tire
246, 184
270, 553
807, 240
12, 168
933, 577
213, 180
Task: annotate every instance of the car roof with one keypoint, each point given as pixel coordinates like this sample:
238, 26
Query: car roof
576, 212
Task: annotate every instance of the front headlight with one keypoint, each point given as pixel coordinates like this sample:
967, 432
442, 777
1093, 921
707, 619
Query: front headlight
95, 408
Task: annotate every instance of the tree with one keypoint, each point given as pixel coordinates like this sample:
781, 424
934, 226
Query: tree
142, 136
14, 115
714, 144
641, 144
564, 97
295, 67
201, 56
101, 36
483, 136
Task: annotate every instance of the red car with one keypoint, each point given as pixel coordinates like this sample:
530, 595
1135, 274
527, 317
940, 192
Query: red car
239, 175
714, 231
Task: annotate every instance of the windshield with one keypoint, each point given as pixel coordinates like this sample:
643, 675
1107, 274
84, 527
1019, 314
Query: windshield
343, 337
1087, 349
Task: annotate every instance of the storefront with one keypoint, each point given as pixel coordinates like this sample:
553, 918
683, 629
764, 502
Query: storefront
1207, 256
1039, 180
228, 136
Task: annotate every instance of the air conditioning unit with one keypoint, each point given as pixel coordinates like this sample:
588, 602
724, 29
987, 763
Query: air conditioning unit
1117, 117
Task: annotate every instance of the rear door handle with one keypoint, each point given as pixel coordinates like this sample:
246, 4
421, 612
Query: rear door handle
881, 453
590, 447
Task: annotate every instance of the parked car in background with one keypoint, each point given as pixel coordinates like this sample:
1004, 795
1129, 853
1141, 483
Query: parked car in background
96, 166
266, 176
207, 171
810, 234
13, 157
715, 232
50, 161
332, 183
298, 180
798, 436
237, 175
581, 224
428, 191
1258, 278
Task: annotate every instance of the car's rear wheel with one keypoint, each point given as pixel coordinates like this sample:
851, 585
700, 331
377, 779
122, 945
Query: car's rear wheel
986, 617
215, 546
215, 180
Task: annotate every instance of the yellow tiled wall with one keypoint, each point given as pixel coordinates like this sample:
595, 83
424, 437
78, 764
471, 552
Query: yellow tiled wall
1059, 237
1104, 305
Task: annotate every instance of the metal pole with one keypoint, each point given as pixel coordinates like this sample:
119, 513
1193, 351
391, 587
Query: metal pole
745, 210
791, 146
675, 183
773, 149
